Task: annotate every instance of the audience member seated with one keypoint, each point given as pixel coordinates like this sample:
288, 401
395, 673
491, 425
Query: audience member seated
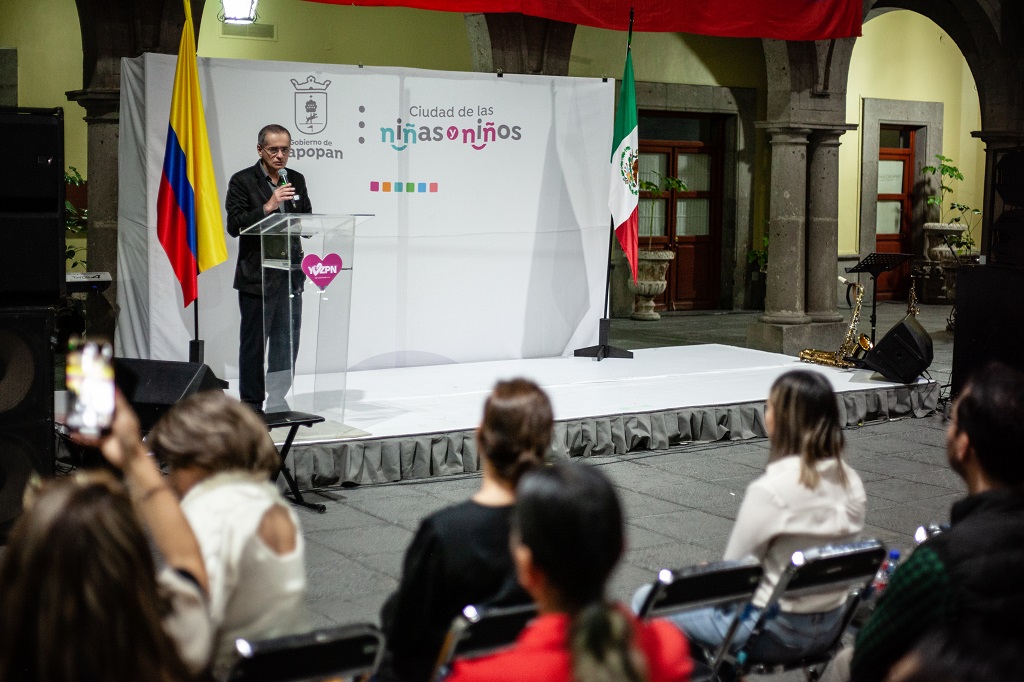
460, 554
567, 537
807, 497
221, 459
82, 598
960, 654
970, 575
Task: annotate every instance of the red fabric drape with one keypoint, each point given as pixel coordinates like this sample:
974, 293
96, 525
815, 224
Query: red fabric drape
783, 19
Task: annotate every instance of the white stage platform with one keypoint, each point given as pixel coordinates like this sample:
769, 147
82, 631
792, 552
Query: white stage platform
418, 422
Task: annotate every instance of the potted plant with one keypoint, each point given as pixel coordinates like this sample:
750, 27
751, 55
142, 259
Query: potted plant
652, 265
75, 221
949, 241
71, 312
757, 259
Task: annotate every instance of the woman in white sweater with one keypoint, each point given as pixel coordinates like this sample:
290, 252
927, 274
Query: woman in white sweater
807, 497
221, 459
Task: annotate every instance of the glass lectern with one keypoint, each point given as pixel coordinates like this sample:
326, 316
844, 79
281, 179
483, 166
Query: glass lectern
307, 262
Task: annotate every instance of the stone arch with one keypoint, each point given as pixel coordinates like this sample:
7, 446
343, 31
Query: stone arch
990, 35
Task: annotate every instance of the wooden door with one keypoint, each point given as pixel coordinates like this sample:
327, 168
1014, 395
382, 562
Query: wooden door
687, 223
893, 230
696, 233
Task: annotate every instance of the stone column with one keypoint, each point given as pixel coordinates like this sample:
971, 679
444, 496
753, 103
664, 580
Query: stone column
101, 107
823, 226
784, 300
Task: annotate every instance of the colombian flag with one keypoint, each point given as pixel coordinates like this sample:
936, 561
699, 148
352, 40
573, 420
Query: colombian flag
188, 221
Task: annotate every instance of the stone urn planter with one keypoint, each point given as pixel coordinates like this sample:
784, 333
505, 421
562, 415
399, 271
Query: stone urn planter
940, 263
651, 270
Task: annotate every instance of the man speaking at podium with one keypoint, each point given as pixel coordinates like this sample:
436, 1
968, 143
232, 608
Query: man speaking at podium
264, 297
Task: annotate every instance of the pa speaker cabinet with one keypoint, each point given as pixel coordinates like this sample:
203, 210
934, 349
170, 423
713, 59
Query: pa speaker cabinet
34, 274
34, 151
152, 386
32, 207
989, 320
26, 404
903, 353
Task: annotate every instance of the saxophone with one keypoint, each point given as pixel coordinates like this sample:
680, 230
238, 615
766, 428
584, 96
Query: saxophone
853, 345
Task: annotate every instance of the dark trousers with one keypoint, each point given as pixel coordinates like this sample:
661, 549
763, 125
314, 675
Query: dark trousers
267, 327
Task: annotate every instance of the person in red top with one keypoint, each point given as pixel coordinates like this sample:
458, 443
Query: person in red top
567, 537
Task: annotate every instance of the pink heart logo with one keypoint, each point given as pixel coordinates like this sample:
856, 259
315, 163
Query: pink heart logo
321, 271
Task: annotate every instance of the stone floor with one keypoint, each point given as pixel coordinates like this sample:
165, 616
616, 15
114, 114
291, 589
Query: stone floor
680, 503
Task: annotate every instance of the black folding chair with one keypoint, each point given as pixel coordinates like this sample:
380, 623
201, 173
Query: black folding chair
343, 651
479, 631
718, 584
850, 568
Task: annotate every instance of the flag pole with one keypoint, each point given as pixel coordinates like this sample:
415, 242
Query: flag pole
196, 347
604, 349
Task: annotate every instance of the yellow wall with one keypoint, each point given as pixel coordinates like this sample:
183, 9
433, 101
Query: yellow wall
49, 63
905, 56
670, 58
337, 34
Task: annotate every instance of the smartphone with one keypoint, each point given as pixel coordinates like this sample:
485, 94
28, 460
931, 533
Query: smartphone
90, 387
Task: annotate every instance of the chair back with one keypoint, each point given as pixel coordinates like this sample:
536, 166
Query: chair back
342, 651
479, 631
721, 583
850, 567
830, 569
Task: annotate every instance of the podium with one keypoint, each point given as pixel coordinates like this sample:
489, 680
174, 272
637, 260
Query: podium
306, 262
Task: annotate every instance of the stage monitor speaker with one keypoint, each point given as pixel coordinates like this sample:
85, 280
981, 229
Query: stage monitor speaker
26, 405
989, 320
152, 386
903, 353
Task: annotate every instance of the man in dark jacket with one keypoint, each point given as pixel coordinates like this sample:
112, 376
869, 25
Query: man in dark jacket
269, 299
968, 577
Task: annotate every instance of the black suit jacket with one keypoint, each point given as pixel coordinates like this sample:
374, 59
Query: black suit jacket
248, 190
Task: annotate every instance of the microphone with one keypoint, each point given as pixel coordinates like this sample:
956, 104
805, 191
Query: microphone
283, 174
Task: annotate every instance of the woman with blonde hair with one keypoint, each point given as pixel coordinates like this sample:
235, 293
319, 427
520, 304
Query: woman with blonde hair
221, 458
807, 497
460, 554
567, 537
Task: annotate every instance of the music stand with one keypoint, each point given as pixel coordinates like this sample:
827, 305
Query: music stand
875, 264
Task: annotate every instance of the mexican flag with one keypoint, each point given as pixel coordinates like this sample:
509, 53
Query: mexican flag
624, 196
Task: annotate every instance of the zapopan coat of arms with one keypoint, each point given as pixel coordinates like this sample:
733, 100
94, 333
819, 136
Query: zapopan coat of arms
310, 105
629, 166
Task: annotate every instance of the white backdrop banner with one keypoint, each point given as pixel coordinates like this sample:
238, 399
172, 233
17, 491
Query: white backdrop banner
490, 239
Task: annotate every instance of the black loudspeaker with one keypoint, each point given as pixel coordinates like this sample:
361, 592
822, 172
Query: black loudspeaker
32, 207
26, 405
34, 275
152, 386
989, 320
903, 353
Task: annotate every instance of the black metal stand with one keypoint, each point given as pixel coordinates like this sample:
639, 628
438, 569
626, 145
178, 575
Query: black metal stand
293, 420
604, 349
875, 264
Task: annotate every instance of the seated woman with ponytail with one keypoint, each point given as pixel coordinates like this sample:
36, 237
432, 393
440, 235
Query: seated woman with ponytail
460, 554
807, 497
567, 537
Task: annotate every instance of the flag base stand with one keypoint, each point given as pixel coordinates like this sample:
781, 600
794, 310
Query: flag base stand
196, 350
603, 349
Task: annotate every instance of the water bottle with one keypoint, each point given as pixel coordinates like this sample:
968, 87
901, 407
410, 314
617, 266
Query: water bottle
885, 572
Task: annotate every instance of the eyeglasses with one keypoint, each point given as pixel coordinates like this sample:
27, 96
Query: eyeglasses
274, 151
